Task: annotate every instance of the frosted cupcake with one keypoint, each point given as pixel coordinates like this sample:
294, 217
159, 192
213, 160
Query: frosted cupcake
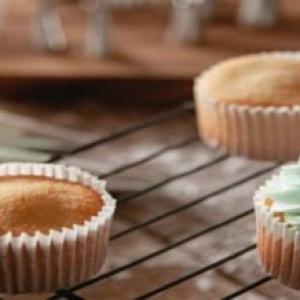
250, 105
54, 226
277, 206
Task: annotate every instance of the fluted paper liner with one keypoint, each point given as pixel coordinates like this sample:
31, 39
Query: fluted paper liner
258, 132
61, 258
278, 244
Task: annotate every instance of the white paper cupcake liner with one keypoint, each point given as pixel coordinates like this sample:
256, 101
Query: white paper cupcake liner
270, 133
278, 244
61, 258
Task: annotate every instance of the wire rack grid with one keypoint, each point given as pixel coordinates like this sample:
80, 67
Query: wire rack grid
184, 108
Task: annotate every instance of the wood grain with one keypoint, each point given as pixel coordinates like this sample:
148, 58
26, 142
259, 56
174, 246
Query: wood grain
190, 256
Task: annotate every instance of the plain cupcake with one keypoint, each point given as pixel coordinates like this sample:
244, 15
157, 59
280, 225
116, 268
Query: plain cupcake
250, 105
277, 207
54, 226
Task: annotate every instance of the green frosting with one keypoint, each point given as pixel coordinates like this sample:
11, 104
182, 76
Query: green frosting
284, 190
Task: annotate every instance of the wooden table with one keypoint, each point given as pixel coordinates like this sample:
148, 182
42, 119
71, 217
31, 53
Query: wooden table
85, 121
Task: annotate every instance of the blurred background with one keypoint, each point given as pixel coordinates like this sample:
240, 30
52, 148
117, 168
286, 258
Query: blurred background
85, 46
120, 72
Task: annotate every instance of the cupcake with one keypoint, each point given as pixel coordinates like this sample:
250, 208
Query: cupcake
250, 105
277, 207
54, 226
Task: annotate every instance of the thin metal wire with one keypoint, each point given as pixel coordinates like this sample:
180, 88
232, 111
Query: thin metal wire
207, 230
247, 288
152, 121
161, 251
195, 202
195, 273
170, 179
151, 156
155, 120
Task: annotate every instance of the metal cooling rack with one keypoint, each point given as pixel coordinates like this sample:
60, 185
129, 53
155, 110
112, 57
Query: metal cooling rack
184, 108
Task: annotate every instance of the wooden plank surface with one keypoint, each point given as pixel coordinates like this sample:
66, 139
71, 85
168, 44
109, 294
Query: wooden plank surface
190, 256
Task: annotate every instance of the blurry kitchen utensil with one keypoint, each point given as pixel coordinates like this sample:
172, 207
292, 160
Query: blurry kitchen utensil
97, 30
188, 20
258, 13
48, 32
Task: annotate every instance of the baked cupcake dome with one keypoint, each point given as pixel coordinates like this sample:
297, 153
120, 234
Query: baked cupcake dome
277, 207
33, 203
56, 226
251, 105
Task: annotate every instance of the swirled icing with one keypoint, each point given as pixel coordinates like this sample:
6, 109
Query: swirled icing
284, 191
